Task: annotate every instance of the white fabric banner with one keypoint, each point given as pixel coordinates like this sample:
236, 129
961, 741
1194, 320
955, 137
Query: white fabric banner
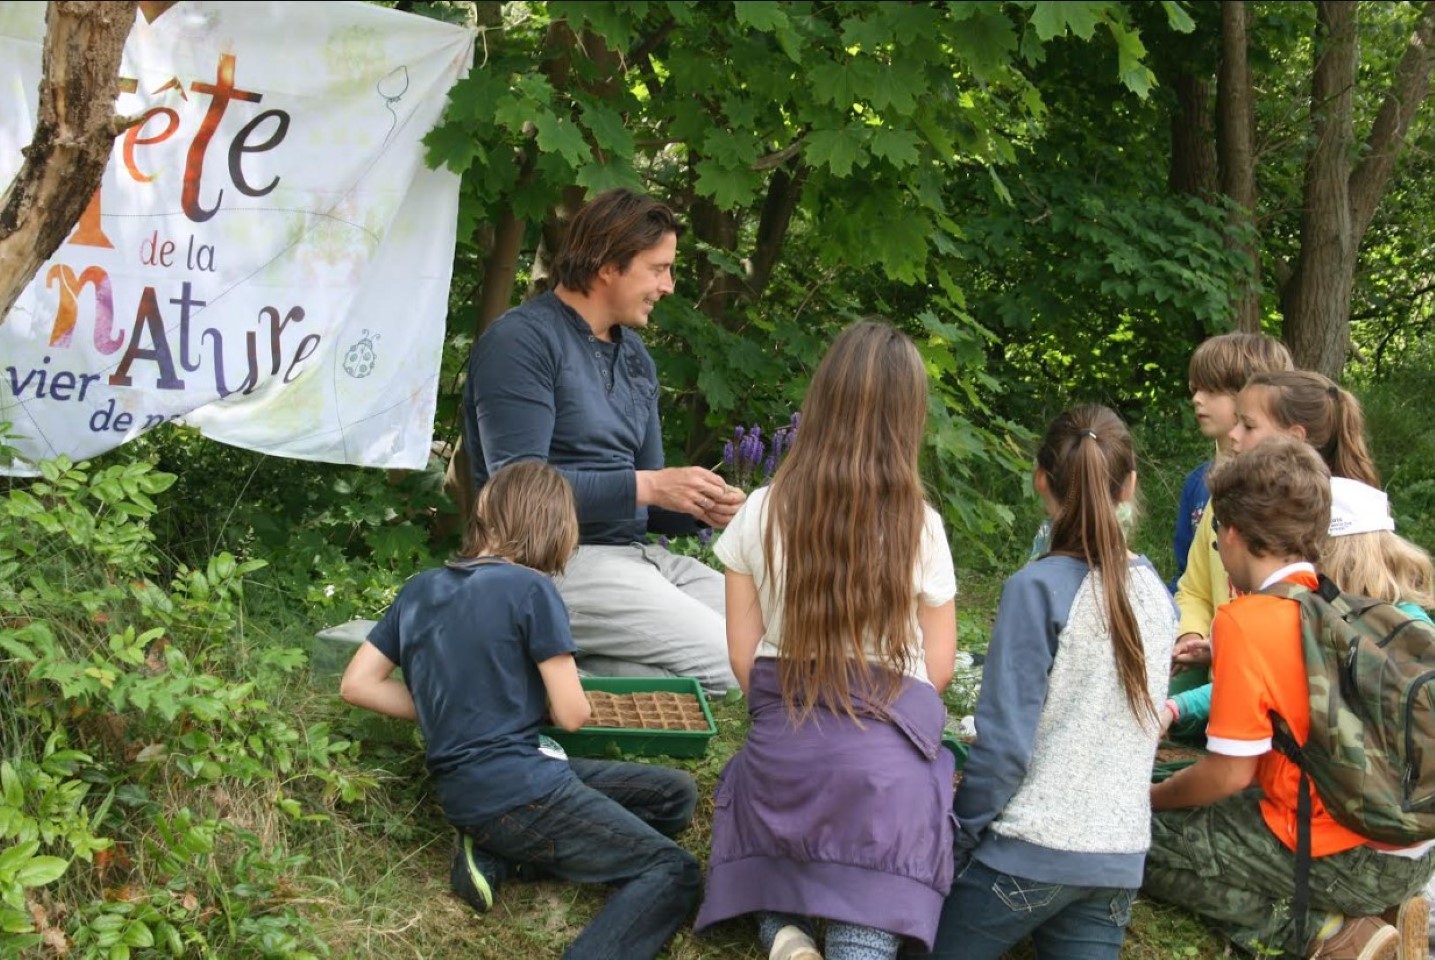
268, 256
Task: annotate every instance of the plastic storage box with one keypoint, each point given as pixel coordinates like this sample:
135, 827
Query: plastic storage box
632, 741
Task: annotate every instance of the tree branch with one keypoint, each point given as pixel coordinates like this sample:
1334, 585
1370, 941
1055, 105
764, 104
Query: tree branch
1235, 129
641, 55
783, 192
74, 135
780, 157
1407, 91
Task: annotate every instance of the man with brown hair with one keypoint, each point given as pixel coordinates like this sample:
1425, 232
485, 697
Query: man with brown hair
566, 379
1227, 851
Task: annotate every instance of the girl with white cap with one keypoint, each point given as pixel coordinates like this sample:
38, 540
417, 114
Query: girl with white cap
1365, 555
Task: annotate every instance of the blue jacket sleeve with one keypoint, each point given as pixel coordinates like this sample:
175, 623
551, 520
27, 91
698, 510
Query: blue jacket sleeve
1194, 704
1014, 685
1193, 499
514, 371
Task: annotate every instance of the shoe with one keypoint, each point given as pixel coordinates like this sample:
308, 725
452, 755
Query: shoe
474, 875
1359, 938
793, 943
1412, 922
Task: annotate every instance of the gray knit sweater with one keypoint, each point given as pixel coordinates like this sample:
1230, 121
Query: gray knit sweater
1057, 786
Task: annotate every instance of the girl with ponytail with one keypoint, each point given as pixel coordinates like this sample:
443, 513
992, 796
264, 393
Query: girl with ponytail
1054, 807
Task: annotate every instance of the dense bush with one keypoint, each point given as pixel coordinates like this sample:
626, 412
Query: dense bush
147, 782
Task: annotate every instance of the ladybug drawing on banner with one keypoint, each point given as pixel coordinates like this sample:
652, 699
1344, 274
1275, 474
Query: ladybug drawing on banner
360, 359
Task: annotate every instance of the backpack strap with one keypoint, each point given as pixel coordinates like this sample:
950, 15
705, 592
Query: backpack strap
1284, 742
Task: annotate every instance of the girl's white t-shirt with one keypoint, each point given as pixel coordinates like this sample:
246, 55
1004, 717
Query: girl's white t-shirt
934, 581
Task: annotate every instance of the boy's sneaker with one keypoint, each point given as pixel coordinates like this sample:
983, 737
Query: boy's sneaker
1412, 923
474, 875
1359, 938
793, 943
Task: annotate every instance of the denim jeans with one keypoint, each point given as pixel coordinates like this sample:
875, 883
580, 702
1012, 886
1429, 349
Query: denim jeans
611, 824
844, 941
989, 912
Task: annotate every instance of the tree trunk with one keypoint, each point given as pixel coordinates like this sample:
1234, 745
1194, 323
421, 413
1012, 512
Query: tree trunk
1193, 153
74, 135
501, 264
1339, 201
1407, 92
1235, 131
1316, 303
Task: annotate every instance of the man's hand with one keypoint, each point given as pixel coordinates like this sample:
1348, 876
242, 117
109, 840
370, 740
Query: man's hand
720, 514
1192, 650
690, 490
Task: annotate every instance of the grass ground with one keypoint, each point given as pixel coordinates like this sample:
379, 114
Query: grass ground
388, 896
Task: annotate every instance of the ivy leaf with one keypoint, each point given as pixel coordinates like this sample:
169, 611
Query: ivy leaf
898, 147
899, 245
597, 177
1130, 51
879, 24
608, 129
730, 187
608, 20
832, 83
450, 145
556, 135
728, 148
1177, 18
985, 41
1052, 19
715, 386
761, 15
896, 87
838, 150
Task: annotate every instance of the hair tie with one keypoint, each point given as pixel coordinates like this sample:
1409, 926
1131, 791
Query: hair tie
1091, 434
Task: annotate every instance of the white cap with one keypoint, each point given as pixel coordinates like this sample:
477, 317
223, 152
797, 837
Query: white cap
1357, 507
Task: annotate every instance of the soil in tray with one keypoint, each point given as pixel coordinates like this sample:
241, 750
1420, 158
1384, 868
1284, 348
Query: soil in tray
659, 710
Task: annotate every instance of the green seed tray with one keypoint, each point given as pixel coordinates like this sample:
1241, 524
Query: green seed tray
959, 749
630, 741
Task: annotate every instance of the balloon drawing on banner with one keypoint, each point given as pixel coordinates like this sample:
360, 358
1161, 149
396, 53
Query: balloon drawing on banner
265, 226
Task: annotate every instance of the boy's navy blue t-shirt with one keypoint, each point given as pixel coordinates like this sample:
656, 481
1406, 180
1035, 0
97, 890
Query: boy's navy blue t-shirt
469, 641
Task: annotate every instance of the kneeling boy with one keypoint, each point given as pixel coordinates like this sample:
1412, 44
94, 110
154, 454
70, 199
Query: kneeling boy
484, 642
1226, 851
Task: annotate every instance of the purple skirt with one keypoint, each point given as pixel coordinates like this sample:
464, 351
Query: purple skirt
834, 819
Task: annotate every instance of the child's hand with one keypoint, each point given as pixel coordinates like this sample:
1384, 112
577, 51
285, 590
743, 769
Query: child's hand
1192, 650
1168, 717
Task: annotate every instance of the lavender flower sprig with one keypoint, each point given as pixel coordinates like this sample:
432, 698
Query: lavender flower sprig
751, 461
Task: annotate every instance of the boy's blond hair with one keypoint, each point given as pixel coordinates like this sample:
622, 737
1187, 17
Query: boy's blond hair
1223, 363
1380, 564
525, 513
1277, 495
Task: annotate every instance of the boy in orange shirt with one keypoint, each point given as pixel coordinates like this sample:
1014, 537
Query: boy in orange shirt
1224, 850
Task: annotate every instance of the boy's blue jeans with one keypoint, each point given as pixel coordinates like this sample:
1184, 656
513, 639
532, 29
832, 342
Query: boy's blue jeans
610, 824
989, 912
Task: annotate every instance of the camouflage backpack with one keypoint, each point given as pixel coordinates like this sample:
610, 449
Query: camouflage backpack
1371, 749
1370, 669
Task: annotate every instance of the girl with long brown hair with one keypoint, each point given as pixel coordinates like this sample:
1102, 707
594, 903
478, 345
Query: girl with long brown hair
1054, 808
841, 630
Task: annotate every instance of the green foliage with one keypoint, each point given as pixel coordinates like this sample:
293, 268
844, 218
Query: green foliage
853, 116
124, 696
338, 540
